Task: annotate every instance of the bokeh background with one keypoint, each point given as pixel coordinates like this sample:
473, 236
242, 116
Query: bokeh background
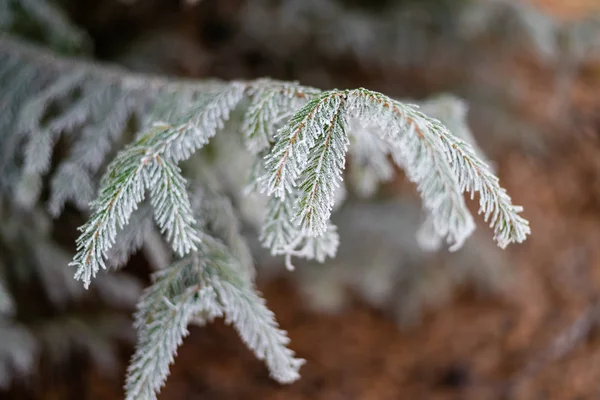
384, 321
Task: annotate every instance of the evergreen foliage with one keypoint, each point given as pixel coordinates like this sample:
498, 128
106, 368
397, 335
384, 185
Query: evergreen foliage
145, 135
32, 258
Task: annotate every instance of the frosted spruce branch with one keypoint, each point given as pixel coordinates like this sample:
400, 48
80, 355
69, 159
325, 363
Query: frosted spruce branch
280, 234
307, 155
202, 287
150, 164
164, 312
299, 138
431, 156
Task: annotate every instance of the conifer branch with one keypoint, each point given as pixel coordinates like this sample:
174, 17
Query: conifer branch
272, 103
164, 311
244, 307
299, 137
278, 229
247, 311
415, 148
200, 289
289, 155
145, 164
173, 211
122, 191
321, 176
475, 176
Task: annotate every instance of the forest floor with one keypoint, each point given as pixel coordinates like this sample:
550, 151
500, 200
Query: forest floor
540, 341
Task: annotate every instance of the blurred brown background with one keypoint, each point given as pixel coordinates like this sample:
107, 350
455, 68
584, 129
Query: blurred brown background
535, 114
